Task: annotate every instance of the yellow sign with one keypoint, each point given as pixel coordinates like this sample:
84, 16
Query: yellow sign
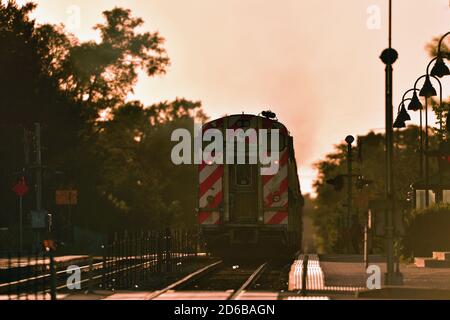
66, 197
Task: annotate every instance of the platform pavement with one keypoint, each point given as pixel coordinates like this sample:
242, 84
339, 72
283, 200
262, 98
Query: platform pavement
418, 283
193, 295
350, 270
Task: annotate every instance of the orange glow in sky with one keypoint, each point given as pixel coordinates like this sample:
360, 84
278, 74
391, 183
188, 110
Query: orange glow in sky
315, 63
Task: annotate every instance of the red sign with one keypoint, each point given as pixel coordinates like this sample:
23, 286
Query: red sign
49, 245
21, 187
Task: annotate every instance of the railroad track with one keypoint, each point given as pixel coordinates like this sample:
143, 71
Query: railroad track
250, 281
232, 280
219, 276
91, 274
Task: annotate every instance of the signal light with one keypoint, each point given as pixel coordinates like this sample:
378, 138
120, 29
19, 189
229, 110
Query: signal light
361, 183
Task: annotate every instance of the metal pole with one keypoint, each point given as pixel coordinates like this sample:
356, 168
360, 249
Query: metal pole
389, 56
20, 223
305, 275
349, 140
441, 115
421, 146
427, 169
52, 275
37, 130
366, 245
69, 221
39, 167
349, 184
389, 175
91, 274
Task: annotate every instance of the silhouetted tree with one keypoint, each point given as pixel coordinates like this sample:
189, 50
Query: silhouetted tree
120, 163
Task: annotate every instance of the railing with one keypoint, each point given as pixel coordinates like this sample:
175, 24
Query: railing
130, 261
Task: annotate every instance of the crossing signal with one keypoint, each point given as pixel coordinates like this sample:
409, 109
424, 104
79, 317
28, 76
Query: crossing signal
361, 183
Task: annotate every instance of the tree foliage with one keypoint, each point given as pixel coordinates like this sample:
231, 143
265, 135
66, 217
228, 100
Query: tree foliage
119, 163
427, 231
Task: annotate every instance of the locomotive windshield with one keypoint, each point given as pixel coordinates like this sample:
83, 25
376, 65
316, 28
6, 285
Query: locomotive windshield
243, 175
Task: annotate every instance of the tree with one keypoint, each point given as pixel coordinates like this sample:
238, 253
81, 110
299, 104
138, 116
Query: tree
28, 94
105, 73
138, 177
119, 163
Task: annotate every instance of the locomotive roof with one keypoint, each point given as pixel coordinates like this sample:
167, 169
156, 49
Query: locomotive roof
247, 117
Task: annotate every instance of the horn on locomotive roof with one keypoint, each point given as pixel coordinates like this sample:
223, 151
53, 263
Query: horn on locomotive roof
269, 114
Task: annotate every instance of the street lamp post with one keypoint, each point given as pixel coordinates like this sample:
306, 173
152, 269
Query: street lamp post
388, 57
402, 115
427, 91
416, 105
440, 69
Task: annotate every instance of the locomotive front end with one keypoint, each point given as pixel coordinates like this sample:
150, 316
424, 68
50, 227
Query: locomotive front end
244, 211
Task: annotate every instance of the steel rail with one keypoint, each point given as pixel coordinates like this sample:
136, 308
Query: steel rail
191, 277
247, 284
84, 268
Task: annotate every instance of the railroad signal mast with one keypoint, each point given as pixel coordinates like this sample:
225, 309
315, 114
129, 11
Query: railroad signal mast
338, 183
34, 136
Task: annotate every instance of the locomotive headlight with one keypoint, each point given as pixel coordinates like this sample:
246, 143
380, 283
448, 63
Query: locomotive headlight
276, 198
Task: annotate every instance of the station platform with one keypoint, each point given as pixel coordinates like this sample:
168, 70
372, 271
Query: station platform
62, 261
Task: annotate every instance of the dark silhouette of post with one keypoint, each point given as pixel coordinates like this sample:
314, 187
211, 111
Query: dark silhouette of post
38, 164
389, 56
427, 91
349, 140
427, 160
305, 275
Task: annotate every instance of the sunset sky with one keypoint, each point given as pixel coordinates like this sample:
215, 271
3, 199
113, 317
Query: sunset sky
314, 63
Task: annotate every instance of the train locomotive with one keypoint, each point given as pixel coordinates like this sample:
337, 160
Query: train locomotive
242, 213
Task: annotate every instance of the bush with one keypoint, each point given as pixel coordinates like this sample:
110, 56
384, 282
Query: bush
427, 230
